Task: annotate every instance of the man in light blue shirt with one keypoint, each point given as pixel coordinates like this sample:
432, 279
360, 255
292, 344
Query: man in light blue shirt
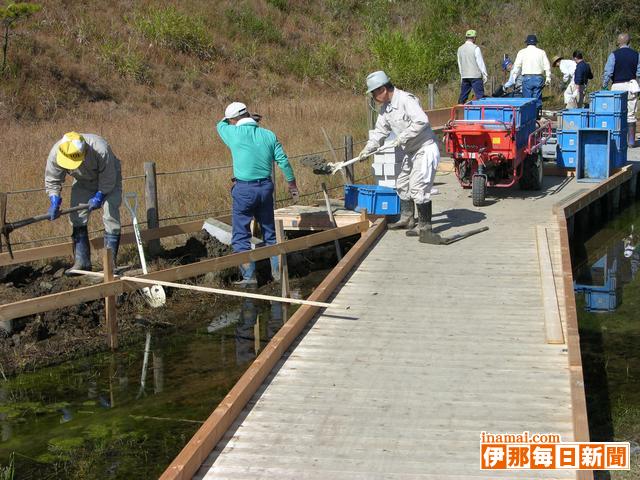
254, 149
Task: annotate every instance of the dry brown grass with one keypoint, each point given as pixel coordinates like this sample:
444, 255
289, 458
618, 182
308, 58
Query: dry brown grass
175, 141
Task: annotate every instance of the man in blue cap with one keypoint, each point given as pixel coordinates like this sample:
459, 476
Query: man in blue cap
532, 62
514, 82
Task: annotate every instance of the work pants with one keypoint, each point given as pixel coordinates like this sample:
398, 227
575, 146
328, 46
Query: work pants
81, 193
418, 172
632, 97
251, 200
571, 94
467, 85
532, 86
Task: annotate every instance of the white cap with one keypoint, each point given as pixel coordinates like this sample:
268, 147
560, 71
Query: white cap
234, 110
376, 79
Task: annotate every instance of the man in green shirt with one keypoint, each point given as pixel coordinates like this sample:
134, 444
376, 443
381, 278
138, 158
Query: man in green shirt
253, 149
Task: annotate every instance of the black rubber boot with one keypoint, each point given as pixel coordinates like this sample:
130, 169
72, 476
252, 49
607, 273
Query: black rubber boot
425, 229
407, 220
424, 217
81, 250
631, 136
112, 241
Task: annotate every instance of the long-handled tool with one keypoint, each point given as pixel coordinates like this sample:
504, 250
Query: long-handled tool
435, 239
7, 228
320, 167
154, 295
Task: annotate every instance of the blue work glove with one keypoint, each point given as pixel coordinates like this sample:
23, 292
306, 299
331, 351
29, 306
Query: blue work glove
96, 201
54, 209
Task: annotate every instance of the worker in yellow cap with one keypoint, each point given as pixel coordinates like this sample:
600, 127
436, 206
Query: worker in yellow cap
97, 181
473, 72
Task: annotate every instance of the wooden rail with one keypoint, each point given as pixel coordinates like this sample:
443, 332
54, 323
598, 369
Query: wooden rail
116, 287
188, 461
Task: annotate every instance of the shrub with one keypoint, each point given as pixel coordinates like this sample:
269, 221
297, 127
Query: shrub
177, 31
246, 22
127, 62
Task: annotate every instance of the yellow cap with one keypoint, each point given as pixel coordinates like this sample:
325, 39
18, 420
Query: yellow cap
71, 151
471, 34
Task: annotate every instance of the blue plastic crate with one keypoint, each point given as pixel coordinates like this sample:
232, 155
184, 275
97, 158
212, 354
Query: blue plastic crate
619, 149
608, 101
573, 119
616, 122
568, 140
600, 301
594, 161
377, 200
567, 158
500, 109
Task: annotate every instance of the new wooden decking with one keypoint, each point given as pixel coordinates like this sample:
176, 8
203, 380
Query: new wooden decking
440, 343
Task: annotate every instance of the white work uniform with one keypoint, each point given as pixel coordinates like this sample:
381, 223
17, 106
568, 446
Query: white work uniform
100, 171
568, 69
532, 61
404, 116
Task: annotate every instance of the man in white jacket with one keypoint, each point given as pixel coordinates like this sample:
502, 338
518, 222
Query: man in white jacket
400, 113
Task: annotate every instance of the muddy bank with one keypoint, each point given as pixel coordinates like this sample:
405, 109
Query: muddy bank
59, 335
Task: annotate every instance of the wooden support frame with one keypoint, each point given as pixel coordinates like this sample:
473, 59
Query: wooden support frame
188, 461
116, 287
110, 314
282, 261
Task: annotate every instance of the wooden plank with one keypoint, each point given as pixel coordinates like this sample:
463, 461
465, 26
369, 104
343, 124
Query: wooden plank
95, 292
188, 461
552, 324
110, 302
66, 249
282, 262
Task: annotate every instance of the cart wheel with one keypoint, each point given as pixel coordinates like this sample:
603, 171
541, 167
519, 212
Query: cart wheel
532, 172
478, 190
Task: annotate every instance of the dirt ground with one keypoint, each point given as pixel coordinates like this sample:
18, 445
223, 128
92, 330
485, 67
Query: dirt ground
59, 335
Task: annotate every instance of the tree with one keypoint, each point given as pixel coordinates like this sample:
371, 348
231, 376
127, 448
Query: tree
9, 15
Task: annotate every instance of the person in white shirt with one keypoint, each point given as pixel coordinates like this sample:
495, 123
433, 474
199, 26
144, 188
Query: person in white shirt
473, 72
568, 69
401, 113
534, 65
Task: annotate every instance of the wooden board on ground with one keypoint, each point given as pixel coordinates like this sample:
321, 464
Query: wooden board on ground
303, 217
552, 324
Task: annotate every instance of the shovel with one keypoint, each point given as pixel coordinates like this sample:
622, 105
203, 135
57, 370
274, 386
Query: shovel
435, 239
329, 168
154, 295
7, 228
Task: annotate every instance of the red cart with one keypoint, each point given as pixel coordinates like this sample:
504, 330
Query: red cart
489, 152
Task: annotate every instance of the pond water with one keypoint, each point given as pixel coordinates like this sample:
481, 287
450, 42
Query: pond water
606, 271
128, 414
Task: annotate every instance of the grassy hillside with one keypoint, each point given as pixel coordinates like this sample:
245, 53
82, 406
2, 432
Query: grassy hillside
154, 76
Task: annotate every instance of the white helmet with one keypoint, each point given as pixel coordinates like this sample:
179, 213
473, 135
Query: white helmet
376, 79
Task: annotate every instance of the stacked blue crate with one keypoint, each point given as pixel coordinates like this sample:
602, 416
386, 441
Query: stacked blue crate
608, 110
502, 110
569, 122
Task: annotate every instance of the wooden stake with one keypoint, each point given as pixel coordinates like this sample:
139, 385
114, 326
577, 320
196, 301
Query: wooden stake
327, 202
151, 200
110, 301
282, 261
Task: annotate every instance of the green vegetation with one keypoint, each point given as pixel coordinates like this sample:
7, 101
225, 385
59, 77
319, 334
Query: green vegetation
10, 14
279, 47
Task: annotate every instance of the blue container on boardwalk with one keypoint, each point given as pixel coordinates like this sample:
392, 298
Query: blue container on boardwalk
616, 122
567, 158
619, 149
594, 162
573, 118
567, 148
608, 101
377, 200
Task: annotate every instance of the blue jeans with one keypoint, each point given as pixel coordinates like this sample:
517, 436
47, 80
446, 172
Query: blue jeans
532, 86
468, 84
251, 200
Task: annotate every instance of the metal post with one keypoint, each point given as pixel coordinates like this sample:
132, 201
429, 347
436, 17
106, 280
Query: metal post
493, 84
110, 302
371, 113
432, 99
282, 261
348, 155
151, 202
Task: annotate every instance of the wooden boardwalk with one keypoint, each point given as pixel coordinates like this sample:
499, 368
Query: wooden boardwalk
439, 344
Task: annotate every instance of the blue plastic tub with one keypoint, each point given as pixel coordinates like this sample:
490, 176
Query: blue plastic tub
594, 162
572, 119
567, 158
616, 122
567, 149
375, 199
608, 101
568, 140
500, 109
